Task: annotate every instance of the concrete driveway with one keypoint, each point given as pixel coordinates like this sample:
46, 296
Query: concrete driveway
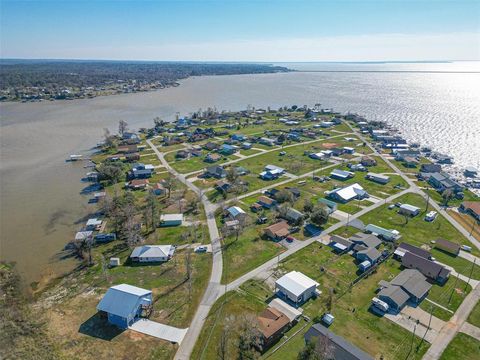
161, 331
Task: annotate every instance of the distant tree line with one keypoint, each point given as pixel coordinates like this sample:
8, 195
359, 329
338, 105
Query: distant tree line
61, 74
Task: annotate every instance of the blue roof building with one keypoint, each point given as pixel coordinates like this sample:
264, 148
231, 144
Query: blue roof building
124, 304
228, 149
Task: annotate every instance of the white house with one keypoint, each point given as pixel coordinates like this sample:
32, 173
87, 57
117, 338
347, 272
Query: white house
296, 287
409, 210
152, 253
236, 212
354, 191
379, 178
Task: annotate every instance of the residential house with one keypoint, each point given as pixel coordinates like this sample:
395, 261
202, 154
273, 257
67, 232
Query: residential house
271, 172
296, 287
365, 240
331, 205
211, 146
236, 213
378, 178
93, 224
158, 189
340, 244
238, 137
126, 149
277, 231
317, 156
124, 304
371, 255
409, 162
267, 141
341, 174
131, 157
228, 149
431, 168
246, 145
223, 186
272, 324
442, 181
152, 253
388, 235
171, 219
348, 150
217, 172
430, 269
196, 152
138, 184
213, 157
368, 161
409, 285
294, 216
266, 202
472, 208
337, 346
403, 248
447, 246
182, 154
348, 193
142, 171
407, 209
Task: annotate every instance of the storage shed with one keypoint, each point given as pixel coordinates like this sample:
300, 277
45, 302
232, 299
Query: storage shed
171, 219
296, 287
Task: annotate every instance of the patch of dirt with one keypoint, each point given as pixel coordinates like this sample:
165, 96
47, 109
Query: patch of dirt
329, 145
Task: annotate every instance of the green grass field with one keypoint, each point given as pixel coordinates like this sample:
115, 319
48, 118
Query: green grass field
462, 347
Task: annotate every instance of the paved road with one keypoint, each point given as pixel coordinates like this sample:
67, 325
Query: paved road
450, 329
213, 288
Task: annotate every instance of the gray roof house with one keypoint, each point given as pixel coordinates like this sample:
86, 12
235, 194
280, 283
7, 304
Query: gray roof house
427, 267
405, 247
340, 243
370, 254
367, 240
410, 284
337, 347
293, 215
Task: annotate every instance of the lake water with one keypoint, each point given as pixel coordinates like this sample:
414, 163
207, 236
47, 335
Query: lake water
40, 206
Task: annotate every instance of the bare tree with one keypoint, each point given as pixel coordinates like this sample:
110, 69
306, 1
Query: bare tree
248, 338
224, 341
122, 127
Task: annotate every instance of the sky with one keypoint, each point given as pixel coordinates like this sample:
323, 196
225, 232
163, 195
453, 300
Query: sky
249, 30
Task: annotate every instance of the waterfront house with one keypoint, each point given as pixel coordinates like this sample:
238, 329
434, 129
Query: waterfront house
124, 304
152, 253
338, 347
296, 287
93, 224
171, 219
378, 178
442, 181
277, 231
431, 168
409, 162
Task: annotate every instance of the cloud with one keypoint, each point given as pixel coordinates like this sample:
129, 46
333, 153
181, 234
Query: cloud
380, 47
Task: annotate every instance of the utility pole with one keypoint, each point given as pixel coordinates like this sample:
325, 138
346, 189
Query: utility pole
470, 275
413, 338
428, 328
454, 286
428, 199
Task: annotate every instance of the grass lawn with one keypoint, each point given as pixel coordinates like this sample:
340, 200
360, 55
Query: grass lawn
467, 221
417, 231
449, 295
437, 311
474, 317
248, 252
194, 163
248, 152
462, 347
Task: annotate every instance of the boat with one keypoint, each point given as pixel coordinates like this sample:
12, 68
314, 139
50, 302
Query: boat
75, 157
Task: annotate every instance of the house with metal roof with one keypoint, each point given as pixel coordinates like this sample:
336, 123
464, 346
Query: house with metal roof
341, 174
340, 244
408, 209
296, 287
371, 255
348, 193
378, 178
447, 246
236, 212
293, 215
217, 172
388, 235
331, 205
152, 253
337, 346
171, 219
124, 304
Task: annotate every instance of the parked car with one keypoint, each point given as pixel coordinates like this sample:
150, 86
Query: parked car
281, 153
390, 207
262, 220
398, 204
201, 249
290, 238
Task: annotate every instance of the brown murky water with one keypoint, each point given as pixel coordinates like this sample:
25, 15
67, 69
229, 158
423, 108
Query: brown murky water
40, 202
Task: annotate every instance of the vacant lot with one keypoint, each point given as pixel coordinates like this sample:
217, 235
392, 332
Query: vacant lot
462, 347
